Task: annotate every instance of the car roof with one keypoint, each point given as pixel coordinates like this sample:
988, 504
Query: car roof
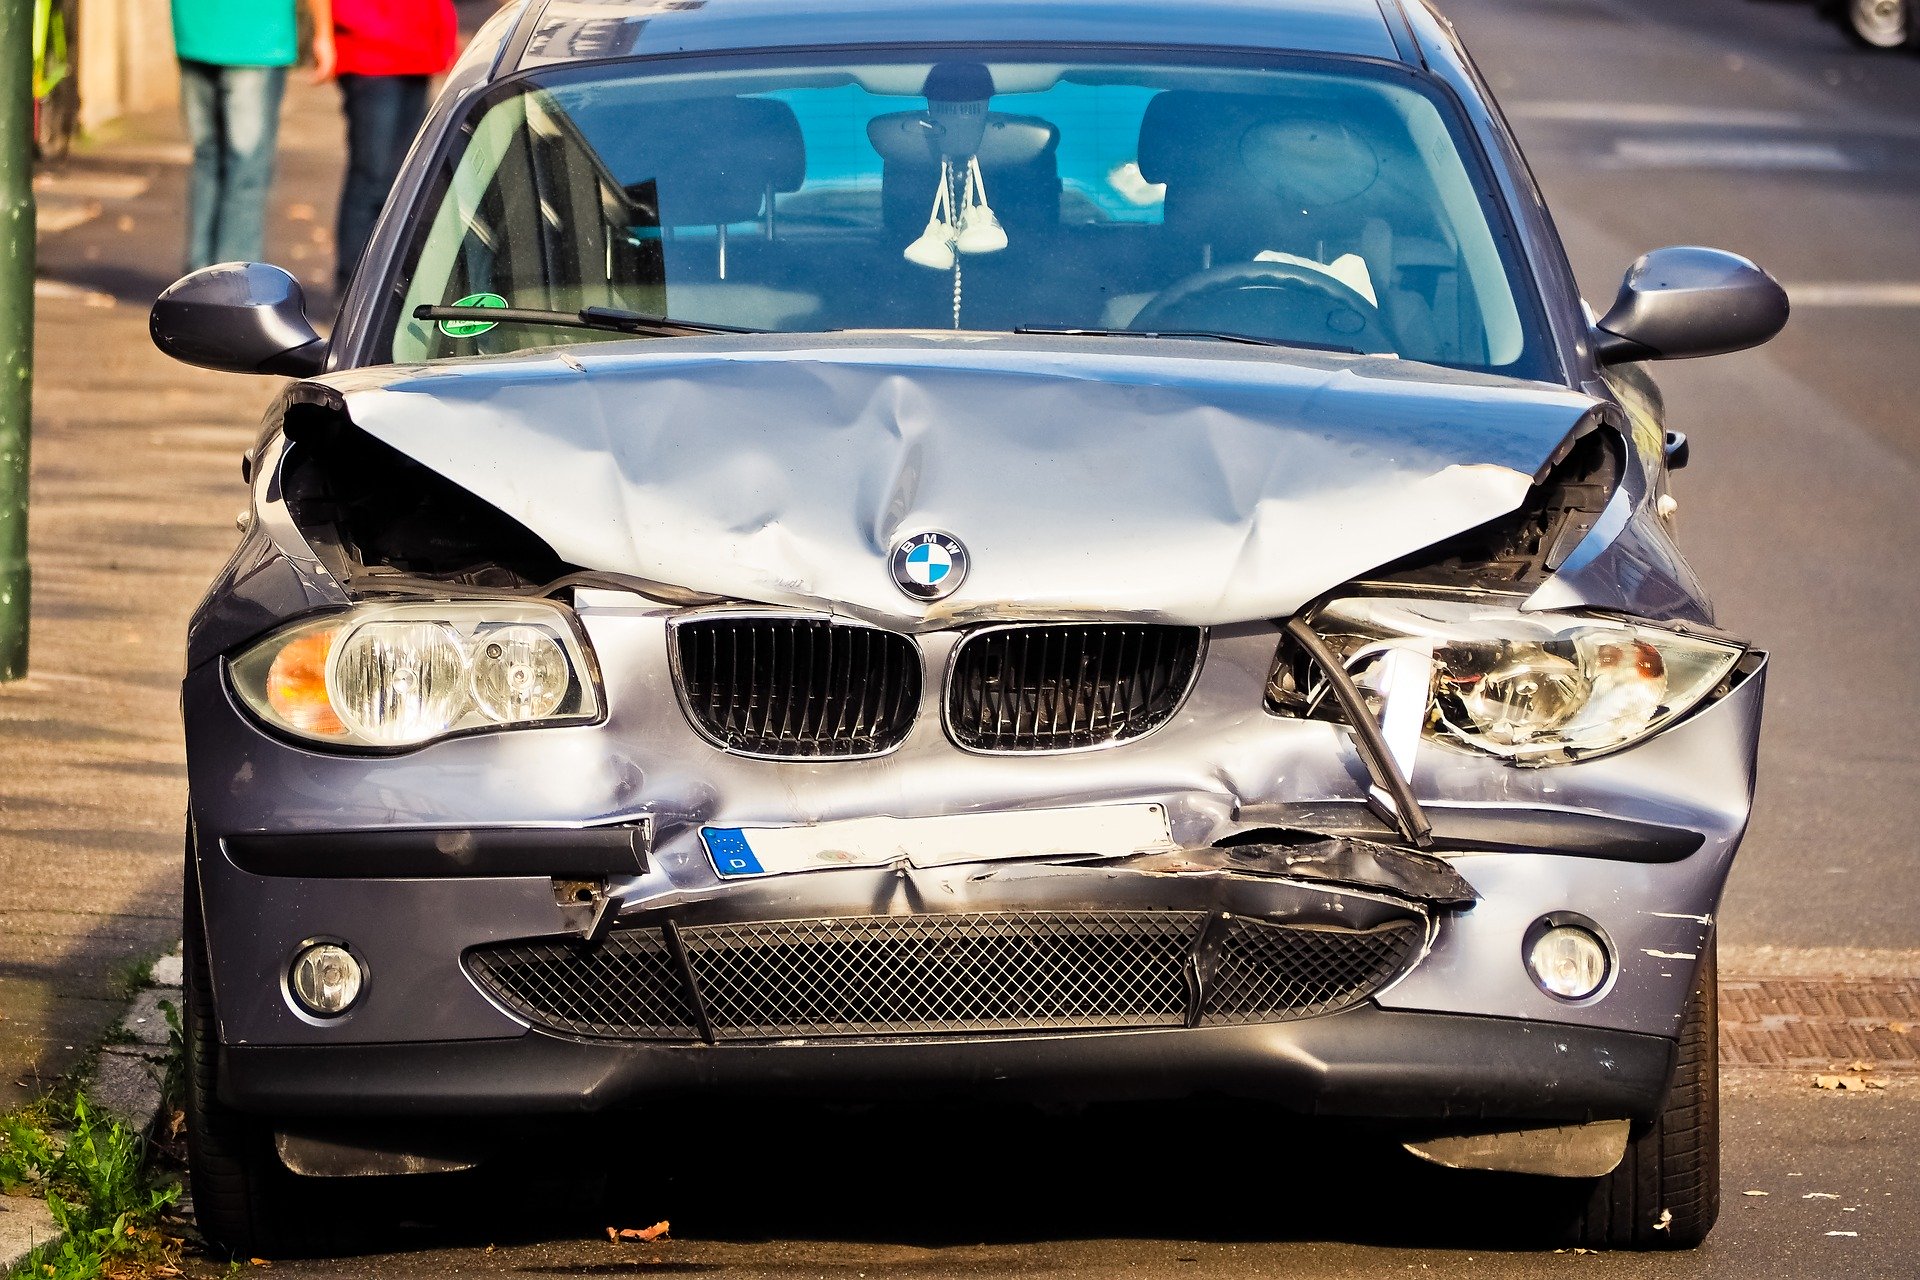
554, 32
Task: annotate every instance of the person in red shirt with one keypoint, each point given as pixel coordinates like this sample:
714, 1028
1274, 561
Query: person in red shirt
384, 53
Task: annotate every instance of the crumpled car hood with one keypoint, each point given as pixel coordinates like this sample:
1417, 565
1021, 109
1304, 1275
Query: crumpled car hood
1117, 479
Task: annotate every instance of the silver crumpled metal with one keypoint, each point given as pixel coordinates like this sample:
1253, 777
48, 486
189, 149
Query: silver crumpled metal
1120, 481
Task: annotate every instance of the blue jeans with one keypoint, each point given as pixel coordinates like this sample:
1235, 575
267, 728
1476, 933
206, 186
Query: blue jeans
233, 122
383, 114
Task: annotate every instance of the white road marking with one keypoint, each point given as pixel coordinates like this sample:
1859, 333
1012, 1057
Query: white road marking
1725, 153
92, 186
1656, 113
61, 291
1866, 293
53, 217
1819, 962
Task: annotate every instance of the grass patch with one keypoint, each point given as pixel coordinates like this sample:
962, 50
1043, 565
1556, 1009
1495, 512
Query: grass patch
110, 1190
92, 1170
131, 977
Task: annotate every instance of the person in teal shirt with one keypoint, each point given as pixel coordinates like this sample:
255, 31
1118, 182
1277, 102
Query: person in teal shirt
234, 56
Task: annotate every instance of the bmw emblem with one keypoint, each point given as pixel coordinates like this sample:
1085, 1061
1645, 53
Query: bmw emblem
929, 566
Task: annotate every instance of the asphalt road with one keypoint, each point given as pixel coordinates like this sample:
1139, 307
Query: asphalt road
1728, 122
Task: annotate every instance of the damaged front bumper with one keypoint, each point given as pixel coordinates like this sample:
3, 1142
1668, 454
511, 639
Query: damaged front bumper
458, 871
1145, 978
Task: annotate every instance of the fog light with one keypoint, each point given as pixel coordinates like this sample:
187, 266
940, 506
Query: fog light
326, 979
1568, 962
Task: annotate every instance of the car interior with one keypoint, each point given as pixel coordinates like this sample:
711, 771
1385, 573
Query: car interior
1326, 211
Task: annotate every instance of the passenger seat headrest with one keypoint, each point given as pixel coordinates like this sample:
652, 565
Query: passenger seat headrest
710, 160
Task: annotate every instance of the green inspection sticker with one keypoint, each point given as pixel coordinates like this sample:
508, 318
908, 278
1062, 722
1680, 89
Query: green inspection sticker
473, 328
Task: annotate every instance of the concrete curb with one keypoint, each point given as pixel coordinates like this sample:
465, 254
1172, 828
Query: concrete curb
125, 1083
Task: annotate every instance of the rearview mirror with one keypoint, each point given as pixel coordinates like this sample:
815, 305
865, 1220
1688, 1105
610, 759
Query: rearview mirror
1688, 301
239, 317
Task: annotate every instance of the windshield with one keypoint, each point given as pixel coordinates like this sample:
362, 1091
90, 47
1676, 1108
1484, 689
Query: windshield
1327, 206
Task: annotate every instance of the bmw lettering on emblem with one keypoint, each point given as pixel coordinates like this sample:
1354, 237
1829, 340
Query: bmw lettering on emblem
929, 566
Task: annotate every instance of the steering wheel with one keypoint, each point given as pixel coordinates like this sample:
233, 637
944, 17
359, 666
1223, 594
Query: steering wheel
1353, 322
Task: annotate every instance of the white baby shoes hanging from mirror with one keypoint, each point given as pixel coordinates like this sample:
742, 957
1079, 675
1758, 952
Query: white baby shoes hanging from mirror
934, 248
975, 230
980, 229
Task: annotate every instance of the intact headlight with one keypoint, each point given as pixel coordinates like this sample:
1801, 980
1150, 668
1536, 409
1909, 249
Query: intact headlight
1533, 688
398, 675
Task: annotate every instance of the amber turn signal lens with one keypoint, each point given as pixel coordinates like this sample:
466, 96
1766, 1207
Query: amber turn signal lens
297, 684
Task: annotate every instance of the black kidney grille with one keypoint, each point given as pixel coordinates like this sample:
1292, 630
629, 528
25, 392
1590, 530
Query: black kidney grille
1265, 967
1061, 687
801, 687
941, 975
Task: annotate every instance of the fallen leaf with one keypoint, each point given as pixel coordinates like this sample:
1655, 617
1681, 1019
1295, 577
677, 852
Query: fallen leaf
1898, 1028
613, 1234
1861, 1065
1753, 1193
639, 1234
1665, 1220
1843, 1233
1844, 1083
1820, 1195
259, 1262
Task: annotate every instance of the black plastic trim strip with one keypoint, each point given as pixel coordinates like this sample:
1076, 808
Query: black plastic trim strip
1363, 1062
1464, 829
519, 38
584, 853
1402, 33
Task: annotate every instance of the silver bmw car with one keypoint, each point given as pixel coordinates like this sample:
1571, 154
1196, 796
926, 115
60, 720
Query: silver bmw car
1047, 549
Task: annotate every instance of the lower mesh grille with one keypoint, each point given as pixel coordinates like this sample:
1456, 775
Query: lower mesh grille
933, 975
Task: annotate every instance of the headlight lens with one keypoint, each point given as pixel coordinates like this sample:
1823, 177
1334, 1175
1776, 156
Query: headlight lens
404, 674
1534, 688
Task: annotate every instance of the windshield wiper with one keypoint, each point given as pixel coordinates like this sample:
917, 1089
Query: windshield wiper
1215, 334
611, 319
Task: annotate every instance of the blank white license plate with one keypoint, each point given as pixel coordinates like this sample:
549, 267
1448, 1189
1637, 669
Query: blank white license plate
1110, 830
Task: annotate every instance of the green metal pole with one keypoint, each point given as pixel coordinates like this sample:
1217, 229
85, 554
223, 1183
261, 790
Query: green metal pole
16, 325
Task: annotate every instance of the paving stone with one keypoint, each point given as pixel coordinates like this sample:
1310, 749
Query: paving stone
1812, 1024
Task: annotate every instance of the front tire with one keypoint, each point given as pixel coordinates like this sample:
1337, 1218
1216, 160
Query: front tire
1666, 1192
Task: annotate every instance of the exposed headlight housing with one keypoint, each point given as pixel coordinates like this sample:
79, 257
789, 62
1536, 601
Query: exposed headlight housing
1531, 688
398, 675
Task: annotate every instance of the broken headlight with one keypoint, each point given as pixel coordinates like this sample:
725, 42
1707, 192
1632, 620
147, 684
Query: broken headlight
1532, 688
399, 675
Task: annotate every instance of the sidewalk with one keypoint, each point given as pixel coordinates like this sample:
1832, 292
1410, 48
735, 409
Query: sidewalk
136, 486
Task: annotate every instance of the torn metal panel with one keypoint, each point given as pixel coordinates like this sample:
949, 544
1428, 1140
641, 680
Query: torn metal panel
363, 1151
1628, 562
1357, 864
1083, 482
1564, 1151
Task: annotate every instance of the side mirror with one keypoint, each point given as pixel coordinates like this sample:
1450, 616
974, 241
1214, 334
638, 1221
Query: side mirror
239, 317
1687, 301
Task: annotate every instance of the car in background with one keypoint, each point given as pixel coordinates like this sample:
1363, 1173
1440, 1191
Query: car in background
1049, 549
1875, 24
